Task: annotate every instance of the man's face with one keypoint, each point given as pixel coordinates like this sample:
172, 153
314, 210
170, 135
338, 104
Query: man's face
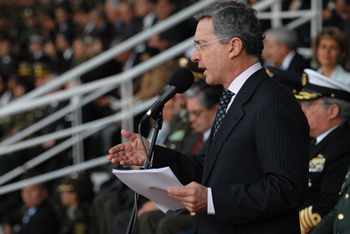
343, 9
317, 116
143, 7
273, 52
33, 195
164, 9
212, 57
201, 118
68, 198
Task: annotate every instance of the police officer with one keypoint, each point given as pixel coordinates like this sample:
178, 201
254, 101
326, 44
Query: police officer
326, 104
338, 219
76, 194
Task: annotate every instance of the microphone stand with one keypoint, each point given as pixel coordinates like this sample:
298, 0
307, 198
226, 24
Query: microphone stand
157, 126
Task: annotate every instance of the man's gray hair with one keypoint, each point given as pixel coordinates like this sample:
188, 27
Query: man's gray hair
235, 19
284, 35
344, 107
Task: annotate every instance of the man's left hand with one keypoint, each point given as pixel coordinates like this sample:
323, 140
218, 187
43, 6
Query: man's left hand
193, 197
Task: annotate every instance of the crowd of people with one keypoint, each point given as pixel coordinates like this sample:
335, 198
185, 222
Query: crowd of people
42, 39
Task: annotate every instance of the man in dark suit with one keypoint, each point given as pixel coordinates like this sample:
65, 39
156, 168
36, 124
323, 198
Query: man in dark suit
280, 50
37, 215
254, 173
326, 104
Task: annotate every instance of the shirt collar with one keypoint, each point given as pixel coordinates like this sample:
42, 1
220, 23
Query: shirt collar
320, 137
239, 81
287, 60
206, 135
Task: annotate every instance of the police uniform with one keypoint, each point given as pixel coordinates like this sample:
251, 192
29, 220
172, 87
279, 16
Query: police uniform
180, 126
180, 130
76, 220
329, 158
338, 219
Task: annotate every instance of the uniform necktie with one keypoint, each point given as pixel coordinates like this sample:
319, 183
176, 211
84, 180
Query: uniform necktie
312, 144
220, 115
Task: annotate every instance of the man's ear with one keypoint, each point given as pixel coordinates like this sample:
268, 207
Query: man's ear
334, 111
236, 46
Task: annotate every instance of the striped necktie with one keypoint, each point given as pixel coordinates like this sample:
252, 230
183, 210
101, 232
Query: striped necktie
220, 115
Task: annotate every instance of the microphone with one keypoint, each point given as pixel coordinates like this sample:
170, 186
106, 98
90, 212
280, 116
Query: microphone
181, 80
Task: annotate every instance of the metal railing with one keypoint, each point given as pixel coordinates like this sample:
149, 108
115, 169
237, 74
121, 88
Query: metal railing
92, 90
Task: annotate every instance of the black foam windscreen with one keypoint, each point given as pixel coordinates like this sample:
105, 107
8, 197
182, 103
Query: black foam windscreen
182, 79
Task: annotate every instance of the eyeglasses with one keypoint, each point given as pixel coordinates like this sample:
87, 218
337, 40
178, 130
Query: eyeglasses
196, 113
197, 45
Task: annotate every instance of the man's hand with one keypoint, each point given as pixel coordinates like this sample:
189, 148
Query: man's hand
131, 152
193, 197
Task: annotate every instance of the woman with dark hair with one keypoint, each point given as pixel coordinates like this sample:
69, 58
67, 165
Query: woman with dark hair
330, 53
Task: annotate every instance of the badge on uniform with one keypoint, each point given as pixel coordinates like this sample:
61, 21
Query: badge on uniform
317, 164
177, 135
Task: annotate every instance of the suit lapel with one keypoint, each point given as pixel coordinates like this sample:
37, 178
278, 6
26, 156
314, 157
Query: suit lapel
232, 118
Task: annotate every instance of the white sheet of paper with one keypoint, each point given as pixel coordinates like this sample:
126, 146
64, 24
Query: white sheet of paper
153, 184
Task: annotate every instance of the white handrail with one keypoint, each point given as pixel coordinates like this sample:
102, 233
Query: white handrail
314, 14
54, 174
137, 108
108, 81
69, 142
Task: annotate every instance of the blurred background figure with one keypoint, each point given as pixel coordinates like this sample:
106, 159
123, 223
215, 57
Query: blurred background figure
76, 193
36, 50
280, 50
129, 24
8, 59
64, 22
337, 14
99, 26
331, 53
36, 215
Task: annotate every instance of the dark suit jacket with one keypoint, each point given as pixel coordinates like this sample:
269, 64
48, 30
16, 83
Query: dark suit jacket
256, 166
329, 162
191, 142
42, 222
298, 64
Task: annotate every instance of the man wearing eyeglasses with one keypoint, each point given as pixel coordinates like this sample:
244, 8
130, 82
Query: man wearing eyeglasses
254, 172
326, 104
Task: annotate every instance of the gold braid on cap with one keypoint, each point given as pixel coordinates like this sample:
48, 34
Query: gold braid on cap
305, 96
65, 188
